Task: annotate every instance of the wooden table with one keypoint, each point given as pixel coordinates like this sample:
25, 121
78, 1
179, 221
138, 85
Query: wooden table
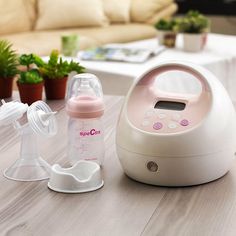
122, 207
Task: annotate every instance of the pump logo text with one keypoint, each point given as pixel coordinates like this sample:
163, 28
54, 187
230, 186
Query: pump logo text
91, 132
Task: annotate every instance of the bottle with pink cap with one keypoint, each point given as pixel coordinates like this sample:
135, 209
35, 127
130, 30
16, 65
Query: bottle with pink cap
85, 107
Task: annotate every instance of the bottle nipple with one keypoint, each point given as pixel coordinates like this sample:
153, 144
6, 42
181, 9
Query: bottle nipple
85, 89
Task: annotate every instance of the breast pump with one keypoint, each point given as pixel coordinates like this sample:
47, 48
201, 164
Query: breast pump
85, 108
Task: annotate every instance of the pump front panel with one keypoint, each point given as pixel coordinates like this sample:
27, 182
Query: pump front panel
153, 109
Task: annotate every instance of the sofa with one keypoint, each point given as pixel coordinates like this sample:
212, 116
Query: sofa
36, 26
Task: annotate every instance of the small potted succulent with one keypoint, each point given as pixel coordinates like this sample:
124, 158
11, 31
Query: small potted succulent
166, 33
194, 27
55, 74
30, 82
8, 68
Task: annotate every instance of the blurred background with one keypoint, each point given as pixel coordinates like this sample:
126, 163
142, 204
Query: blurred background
222, 13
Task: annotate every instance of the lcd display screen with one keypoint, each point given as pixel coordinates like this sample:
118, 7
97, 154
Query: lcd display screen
169, 105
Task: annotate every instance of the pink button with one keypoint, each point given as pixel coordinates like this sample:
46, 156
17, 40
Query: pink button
157, 126
184, 122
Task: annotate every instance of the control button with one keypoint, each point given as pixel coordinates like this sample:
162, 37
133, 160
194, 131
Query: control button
176, 117
145, 122
161, 115
172, 125
152, 166
184, 122
157, 126
149, 113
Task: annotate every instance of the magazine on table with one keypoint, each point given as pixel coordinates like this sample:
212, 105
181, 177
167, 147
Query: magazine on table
119, 52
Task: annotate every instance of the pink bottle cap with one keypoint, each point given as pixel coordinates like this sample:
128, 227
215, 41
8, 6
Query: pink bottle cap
85, 107
85, 97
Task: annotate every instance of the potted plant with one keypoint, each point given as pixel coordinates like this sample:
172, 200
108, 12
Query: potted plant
166, 33
55, 74
8, 68
30, 82
194, 27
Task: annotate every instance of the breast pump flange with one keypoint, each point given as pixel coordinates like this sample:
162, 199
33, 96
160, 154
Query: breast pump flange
41, 120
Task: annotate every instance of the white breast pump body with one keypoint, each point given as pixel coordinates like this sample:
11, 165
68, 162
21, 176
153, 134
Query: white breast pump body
172, 139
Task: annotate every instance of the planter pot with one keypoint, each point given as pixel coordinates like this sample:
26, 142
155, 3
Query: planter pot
194, 42
6, 87
55, 88
30, 93
166, 38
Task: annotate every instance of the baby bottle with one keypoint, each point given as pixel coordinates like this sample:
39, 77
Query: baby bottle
85, 108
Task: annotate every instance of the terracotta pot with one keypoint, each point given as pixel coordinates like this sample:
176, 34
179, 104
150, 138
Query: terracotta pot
194, 42
6, 87
55, 88
30, 93
166, 38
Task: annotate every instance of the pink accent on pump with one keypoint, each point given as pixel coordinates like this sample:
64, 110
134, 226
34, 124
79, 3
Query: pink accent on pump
157, 126
89, 133
184, 122
146, 94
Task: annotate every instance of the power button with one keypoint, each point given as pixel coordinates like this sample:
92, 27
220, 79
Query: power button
152, 166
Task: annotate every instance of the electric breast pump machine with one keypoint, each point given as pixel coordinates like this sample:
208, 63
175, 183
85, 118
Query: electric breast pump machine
176, 139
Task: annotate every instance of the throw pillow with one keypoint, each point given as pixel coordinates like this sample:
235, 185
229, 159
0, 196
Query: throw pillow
70, 13
142, 11
118, 11
16, 16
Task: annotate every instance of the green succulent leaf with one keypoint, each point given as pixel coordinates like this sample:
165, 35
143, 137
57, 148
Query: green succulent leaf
30, 77
26, 60
8, 60
31, 74
193, 22
38, 61
56, 68
37, 69
75, 66
166, 25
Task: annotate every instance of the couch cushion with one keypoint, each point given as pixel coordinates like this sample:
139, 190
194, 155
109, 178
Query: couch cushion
142, 11
70, 13
42, 42
16, 16
166, 12
117, 11
119, 33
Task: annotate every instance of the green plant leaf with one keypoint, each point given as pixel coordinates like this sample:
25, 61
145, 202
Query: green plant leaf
75, 66
56, 68
30, 77
166, 25
26, 60
8, 60
193, 22
38, 61
31, 74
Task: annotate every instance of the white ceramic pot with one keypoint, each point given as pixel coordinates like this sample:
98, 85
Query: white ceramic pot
194, 42
166, 38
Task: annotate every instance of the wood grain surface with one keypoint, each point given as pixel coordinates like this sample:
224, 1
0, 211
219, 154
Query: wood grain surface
121, 207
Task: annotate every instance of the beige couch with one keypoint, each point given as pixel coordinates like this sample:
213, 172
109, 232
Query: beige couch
36, 25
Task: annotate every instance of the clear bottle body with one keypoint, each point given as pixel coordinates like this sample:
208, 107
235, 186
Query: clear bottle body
86, 140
